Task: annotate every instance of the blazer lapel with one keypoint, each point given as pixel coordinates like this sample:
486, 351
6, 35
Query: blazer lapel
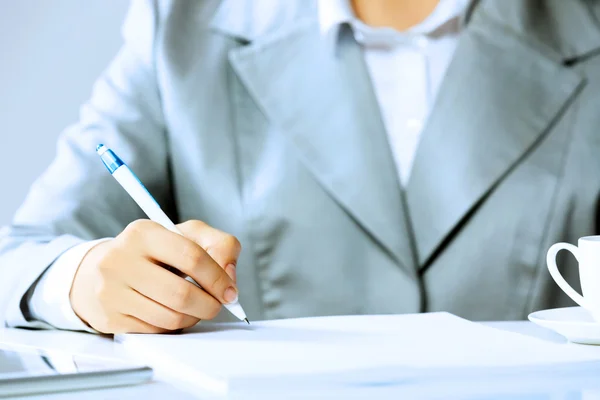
321, 98
499, 98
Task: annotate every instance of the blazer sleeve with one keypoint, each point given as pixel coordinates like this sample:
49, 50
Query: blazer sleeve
76, 199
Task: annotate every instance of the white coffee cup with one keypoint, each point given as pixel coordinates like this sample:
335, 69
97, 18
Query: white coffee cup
587, 254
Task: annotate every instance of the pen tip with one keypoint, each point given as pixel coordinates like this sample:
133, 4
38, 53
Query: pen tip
100, 149
246, 319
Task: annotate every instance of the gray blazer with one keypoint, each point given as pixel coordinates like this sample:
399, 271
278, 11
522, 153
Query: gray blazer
235, 112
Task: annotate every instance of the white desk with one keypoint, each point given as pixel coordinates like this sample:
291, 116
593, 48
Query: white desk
86, 344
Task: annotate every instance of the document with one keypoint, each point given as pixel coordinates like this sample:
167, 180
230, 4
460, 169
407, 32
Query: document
356, 350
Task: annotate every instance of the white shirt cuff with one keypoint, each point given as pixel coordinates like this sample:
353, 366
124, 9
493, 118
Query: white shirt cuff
50, 302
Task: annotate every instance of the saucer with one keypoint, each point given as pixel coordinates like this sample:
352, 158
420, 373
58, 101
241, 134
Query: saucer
574, 323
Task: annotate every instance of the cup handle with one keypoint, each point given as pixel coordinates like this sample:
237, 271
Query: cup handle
558, 278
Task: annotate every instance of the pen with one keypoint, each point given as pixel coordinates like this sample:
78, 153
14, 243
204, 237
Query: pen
138, 192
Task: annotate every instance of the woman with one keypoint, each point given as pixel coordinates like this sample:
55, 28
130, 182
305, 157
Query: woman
370, 156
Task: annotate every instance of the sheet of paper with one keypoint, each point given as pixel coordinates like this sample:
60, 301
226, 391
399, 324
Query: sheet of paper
352, 348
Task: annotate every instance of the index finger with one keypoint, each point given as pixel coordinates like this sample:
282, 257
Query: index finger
222, 247
171, 249
209, 275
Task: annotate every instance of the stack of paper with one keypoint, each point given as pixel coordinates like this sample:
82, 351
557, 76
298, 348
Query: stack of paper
353, 350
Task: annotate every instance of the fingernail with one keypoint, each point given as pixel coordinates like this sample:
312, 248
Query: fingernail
230, 295
230, 269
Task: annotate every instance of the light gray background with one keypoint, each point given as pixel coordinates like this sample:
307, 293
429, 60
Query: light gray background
51, 51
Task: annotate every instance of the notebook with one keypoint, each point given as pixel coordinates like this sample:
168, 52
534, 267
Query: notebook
356, 350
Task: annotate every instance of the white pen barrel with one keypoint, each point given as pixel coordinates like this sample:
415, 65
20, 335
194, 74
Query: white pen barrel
140, 195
